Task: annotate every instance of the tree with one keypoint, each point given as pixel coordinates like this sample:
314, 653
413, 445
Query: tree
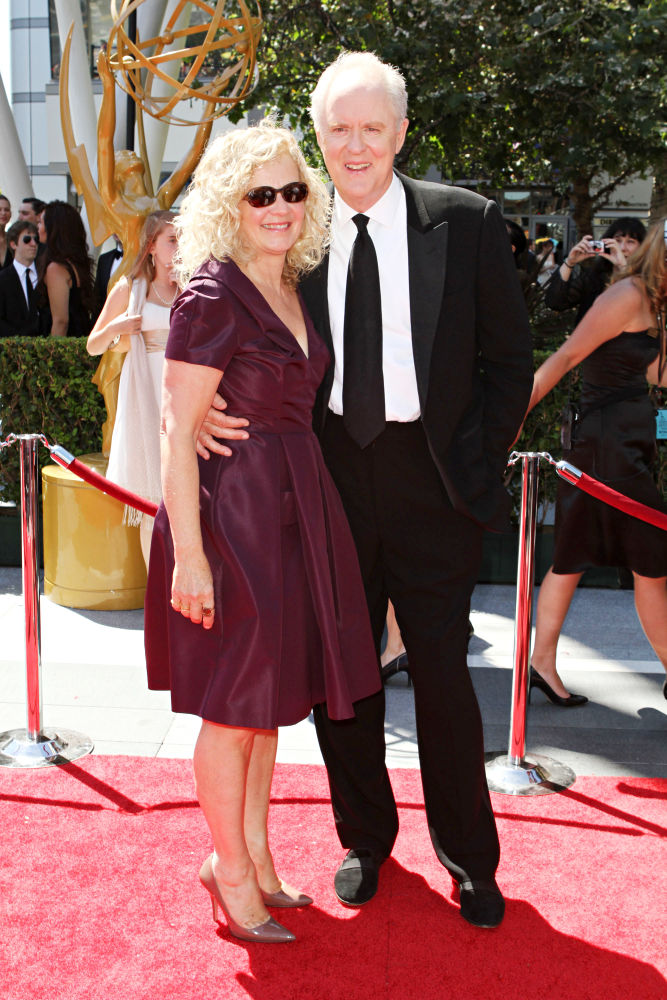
595, 111
435, 44
568, 93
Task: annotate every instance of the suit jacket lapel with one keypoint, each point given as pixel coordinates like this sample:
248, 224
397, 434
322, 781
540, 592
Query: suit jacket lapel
427, 256
20, 294
315, 292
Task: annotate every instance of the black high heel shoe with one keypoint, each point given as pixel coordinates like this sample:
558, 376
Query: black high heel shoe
395, 666
536, 681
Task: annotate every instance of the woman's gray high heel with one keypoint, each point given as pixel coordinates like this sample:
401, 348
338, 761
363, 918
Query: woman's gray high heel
270, 932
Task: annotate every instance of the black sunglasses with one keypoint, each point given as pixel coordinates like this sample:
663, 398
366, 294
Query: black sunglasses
29, 239
262, 197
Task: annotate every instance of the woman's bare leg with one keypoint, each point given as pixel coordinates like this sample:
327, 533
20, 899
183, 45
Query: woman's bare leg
221, 764
553, 603
651, 605
394, 645
145, 535
256, 815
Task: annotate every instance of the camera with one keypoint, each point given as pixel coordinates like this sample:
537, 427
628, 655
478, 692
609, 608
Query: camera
597, 246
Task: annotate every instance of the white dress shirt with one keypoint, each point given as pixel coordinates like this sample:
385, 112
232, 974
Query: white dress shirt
388, 230
20, 270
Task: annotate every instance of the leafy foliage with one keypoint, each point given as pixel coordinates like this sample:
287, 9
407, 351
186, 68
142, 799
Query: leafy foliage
46, 388
504, 91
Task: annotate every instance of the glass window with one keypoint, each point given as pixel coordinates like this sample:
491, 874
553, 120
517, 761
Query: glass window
97, 23
516, 203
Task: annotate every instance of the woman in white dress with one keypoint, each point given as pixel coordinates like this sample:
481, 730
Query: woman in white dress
135, 320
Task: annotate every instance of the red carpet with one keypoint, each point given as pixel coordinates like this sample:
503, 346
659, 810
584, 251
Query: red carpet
100, 898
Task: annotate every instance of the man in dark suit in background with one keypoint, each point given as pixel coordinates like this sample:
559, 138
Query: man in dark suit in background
20, 315
107, 263
419, 304
30, 210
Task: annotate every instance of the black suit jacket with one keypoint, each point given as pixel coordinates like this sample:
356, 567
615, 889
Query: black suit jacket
15, 319
102, 277
471, 341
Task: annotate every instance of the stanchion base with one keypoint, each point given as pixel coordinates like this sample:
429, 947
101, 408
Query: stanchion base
534, 775
17, 749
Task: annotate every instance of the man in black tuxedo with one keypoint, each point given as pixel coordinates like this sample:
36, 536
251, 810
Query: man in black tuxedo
430, 380
20, 315
107, 263
30, 210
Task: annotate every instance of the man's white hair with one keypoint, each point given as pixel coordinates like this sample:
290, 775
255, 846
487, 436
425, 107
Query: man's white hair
373, 70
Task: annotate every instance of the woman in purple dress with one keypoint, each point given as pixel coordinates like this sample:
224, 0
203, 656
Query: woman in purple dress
255, 610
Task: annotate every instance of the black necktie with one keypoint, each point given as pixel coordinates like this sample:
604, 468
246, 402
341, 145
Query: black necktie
28, 287
363, 383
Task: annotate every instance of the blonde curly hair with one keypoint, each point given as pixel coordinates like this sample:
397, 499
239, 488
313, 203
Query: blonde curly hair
209, 221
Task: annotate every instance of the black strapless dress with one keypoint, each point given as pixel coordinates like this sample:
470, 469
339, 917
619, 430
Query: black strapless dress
614, 442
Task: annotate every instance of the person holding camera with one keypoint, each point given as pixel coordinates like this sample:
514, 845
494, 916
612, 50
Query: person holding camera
576, 285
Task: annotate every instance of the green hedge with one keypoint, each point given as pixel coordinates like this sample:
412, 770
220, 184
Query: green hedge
46, 388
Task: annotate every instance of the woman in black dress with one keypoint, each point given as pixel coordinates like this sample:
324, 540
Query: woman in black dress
6, 255
621, 343
66, 269
255, 609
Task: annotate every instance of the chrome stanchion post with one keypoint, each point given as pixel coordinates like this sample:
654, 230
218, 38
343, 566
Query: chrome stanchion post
34, 746
524, 606
514, 773
29, 549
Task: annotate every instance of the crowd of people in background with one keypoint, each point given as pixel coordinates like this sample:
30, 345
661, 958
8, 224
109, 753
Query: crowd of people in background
46, 271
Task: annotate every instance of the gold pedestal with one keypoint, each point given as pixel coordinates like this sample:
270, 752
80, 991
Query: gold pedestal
91, 559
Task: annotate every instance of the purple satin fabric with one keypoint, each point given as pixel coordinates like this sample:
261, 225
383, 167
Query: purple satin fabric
291, 627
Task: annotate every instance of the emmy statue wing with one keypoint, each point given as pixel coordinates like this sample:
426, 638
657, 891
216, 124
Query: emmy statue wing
77, 159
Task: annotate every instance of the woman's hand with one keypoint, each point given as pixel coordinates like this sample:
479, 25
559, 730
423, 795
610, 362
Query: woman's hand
580, 251
192, 589
123, 324
125, 327
614, 254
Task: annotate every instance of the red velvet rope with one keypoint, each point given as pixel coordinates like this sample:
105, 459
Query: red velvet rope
580, 479
99, 482
615, 499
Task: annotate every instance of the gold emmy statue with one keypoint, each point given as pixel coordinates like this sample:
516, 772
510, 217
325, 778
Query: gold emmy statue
124, 196
91, 558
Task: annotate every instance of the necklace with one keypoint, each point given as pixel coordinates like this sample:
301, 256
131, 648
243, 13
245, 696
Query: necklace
164, 301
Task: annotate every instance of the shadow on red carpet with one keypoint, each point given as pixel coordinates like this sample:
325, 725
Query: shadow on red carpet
100, 898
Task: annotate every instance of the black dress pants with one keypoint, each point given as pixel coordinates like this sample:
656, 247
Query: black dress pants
416, 549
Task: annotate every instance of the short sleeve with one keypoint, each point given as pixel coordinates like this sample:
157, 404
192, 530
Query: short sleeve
202, 329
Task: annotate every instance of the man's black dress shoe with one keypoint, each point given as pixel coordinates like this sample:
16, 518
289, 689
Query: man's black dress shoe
482, 903
356, 881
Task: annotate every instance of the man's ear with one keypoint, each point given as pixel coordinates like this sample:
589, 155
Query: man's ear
400, 135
